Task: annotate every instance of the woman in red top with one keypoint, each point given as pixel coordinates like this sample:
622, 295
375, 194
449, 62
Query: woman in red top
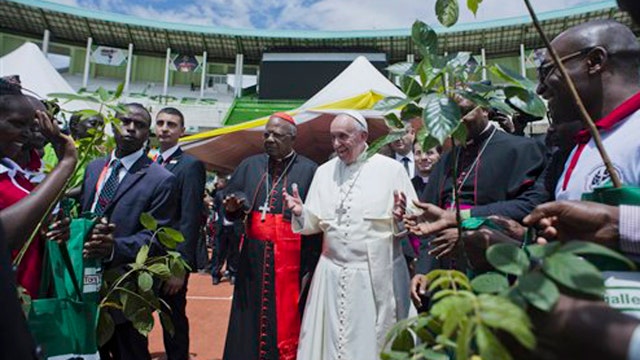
16, 119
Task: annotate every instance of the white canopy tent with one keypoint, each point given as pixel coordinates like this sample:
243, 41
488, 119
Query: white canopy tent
37, 75
358, 87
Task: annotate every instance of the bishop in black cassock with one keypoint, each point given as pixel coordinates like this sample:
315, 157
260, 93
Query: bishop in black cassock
497, 176
265, 312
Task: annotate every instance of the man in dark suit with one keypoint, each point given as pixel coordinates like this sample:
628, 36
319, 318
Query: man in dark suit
190, 173
120, 187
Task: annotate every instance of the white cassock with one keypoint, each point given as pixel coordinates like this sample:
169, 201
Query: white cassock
360, 287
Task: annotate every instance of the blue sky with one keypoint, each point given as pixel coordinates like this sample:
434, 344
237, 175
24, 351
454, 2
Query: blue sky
310, 14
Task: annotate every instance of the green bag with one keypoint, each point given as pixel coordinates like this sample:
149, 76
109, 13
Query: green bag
622, 287
65, 324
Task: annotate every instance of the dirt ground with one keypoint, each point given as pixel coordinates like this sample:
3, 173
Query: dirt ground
208, 309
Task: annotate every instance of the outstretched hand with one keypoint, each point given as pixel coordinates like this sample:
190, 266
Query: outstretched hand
232, 203
293, 201
432, 220
576, 220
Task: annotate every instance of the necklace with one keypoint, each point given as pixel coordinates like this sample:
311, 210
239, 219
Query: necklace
471, 168
341, 210
267, 198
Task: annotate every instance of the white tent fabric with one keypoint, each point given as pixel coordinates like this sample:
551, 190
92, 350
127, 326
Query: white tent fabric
37, 74
224, 152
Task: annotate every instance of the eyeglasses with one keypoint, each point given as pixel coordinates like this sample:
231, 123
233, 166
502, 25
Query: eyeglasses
545, 70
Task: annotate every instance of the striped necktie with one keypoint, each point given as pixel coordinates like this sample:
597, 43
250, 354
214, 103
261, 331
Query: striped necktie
109, 188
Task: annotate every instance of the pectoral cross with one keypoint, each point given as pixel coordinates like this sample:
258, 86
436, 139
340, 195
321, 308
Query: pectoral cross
340, 211
265, 209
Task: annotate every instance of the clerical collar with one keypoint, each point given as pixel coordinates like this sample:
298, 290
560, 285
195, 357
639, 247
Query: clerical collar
482, 136
284, 158
169, 152
129, 160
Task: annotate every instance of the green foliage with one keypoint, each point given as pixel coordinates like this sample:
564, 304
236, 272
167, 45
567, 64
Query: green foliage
508, 258
136, 291
489, 283
148, 222
465, 316
447, 12
432, 86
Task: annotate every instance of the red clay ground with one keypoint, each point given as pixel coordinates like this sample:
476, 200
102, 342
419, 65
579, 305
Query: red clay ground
208, 311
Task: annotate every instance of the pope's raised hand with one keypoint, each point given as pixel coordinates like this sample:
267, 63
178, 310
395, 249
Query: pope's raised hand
399, 205
293, 201
232, 203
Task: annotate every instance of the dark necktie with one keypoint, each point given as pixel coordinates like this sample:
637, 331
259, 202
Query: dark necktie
405, 162
160, 159
109, 188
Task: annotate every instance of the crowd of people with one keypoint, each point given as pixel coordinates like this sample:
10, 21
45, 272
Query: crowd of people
326, 258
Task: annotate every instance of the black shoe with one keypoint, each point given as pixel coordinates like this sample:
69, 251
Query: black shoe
215, 281
232, 280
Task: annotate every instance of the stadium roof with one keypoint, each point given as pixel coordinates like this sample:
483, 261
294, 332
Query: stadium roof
72, 25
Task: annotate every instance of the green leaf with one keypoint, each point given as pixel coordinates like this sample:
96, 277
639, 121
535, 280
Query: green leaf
489, 346
490, 283
589, 248
430, 142
174, 234
441, 116
473, 6
575, 273
145, 281
476, 98
106, 327
177, 267
452, 310
142, 321
460, 59
394, 355
447, 12
429, 354
411, 87
525, 100
403, 342
142, 255
508, 258
464, 340
392, 136
118, 92
103, 94
460, 133
393, 121
402, 69
480, 87
391, 102
538, 290
411, 111
148, 222
85, 114
498, 312
424, 37
160, 270
71, 97
511, 77
501, 106
166, 240
542, 251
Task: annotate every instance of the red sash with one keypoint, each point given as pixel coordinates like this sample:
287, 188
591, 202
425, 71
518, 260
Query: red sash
618, 114
286, 250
